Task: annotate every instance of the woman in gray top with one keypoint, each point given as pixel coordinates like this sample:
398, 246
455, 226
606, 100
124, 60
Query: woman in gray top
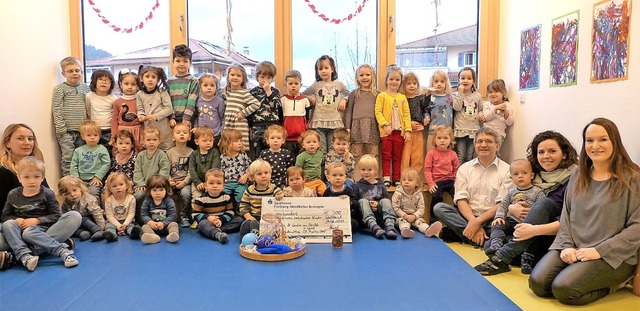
596, 247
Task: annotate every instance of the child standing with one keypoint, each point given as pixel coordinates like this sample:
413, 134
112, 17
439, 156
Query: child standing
180, 180
251, 203
124, 159
100, 102
120, 208
374, 200
29, 212
294, 110
441, 165
270, 110
235, 162
296, 180
214, 210
466, 121
337, 176
497, 112
202, 160
125, 111
408, 203
73, 196
328, 97
210, 106
154, 104
413, 151
394, 124
182, 87
239, 103
360, 117
310, 160
149, 162
159, 212
340, 153
441, 104
69, 110
279, 159
91, 162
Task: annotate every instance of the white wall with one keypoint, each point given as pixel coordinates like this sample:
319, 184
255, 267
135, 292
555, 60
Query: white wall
566, 109
35, 37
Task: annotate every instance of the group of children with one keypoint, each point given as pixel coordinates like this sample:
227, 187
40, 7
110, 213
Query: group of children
304, 144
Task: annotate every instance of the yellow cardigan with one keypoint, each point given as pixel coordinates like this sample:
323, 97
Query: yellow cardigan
384, 109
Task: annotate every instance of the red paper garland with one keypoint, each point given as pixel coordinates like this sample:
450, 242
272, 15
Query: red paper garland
120, 29
336, 20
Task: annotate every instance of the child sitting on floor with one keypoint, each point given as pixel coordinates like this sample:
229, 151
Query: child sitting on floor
408, 203
296, 188
337, 175
251, 203
375, 203
74, 196
159, 212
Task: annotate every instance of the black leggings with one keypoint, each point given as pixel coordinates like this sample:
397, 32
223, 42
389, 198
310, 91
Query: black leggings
576, 284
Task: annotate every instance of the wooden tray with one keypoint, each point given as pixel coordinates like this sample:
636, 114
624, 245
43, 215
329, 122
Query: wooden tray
271, 257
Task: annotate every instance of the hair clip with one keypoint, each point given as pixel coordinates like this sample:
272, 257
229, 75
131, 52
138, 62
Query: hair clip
127, 70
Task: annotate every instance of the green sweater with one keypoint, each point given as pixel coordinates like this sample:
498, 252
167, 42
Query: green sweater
199, 164
88, 162
157, 164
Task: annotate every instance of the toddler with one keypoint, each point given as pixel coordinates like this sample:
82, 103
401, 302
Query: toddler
440, 104
74, 196
296, 180
279, 159
201, 160
125, 110
235, 163
210, 106
413, 151
467, 103
91, 162
337, 176
408, 203
154, 104
251, 203
294, 110
497, 113
239, 103
374, 200
149, 162
179, 178
360, 117
159, 212
124, 158
310, 160
120, 207
100, 103
340, 153
441, 165
270, 110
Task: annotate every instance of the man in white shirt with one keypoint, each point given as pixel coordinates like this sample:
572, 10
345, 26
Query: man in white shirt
479, 188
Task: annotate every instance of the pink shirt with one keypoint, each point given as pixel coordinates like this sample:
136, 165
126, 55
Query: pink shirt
440, 165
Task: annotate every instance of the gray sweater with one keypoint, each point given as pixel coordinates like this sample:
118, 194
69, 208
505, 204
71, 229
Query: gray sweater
592, 219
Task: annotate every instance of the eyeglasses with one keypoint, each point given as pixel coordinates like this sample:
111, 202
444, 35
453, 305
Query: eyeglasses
485, 141
127, 70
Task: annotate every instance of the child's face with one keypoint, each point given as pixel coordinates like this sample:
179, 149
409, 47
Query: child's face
151, 141
73, 194
443, 140
521, 174
208, 87
214, 185
368, 172
181, 64
410, 86
296, 182
204, 143
158, 193
340, 146
337, 177
91, 138
150, 79
275, 140
237, 145
466, 79
364, 77
264, 80
495, 97
103, 86
118, 187
129, 85
181, 134
409, 184
310, 144
262, 177
73, 73
325, 70
439, 83
393, 81
30, 179
293, 85
235, 78
124, 145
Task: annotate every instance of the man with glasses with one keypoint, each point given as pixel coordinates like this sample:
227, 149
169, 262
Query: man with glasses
479, 188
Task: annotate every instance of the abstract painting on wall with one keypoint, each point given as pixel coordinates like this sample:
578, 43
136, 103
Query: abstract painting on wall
564, 50
530, 58
610, 41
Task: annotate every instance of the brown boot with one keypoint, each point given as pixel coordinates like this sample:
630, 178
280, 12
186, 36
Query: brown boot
174, 233
149, 236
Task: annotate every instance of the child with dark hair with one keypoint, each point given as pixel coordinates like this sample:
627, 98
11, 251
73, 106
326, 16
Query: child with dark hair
154, 104
125, 110
159, 212
124, 158
182, 87
279, 158
214, 210
337, 176
100, 102
210, 106
340, 153
150, 161
270, 110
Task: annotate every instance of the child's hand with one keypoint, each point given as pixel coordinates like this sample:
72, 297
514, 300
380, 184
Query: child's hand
481, 118
95, 181
200, 187
387, 129
342, 105
142, 118
214, 220
433, 188
266, 86
151, 118
374, 205
172, 182
407, 136
426, 91
111, 142
426, 121
159, 225
243, 179
180, 185
343, 196
497, 221
29, 222
279, 196
312, 100
463, 89
410, 218
172, 122
60, 135
239, 116
248, 216
121, 229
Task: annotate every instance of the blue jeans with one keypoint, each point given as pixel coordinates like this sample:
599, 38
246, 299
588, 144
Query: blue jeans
38, 240
464, 148
69, 142
450, 216
326, 139
185, 199
235, 190
207, 229
385, 211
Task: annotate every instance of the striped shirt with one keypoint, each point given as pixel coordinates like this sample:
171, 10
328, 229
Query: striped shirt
68, 107
208, 205
239, 101
252, 199
184, 93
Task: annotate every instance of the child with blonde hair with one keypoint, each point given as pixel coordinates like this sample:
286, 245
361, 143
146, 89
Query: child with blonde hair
441, 165
239, 103
360, 117
337, 176
497, 111
440, 104
251, 204
74, 196
120, 207
154, 103
159, 212
296, 187
91, 161
374, 200
394, 124
467, 103
408, 204
210, 106
310, 160
413, 151
279, 158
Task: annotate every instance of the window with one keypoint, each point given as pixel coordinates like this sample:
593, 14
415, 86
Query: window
467, 59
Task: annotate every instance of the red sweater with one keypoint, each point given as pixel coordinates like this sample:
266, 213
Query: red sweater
440, 165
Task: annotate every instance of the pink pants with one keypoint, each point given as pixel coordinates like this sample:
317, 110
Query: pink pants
392, 155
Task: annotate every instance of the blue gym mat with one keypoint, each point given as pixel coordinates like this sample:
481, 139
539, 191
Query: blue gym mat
197, 273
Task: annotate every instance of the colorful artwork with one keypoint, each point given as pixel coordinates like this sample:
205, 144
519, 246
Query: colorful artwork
564, 50
530, 58
610, 41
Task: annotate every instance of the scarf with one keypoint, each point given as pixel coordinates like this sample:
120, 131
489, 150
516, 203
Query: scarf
550, 181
